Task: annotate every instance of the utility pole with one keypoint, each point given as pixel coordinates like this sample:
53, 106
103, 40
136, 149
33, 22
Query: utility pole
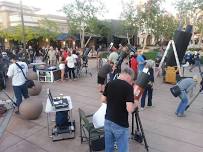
23, 26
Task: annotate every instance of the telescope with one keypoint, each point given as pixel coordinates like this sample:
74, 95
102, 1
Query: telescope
86, 51
131, 48
181, 39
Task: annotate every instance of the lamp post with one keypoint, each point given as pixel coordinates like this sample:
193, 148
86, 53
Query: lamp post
23, 26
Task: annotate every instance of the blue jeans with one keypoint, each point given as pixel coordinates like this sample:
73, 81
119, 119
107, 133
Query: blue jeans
147, 91
20, 91
183, 104
115, 133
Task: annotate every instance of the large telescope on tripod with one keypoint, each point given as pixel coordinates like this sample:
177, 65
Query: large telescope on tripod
181, 39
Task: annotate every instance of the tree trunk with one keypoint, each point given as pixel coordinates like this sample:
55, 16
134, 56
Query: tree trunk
200, 38
145, 42
83, 38
128, 38
88, 41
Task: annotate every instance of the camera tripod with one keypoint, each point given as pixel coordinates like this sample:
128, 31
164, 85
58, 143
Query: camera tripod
138, 135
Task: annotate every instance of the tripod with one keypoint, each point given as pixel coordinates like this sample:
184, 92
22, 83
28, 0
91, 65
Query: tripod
200, 90
137, 135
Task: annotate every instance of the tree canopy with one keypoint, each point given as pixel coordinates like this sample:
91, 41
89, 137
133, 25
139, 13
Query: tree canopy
47, 29
82, 17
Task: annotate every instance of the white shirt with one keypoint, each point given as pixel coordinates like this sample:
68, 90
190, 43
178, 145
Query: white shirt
75, 57
70, 61
99, 116
15, 72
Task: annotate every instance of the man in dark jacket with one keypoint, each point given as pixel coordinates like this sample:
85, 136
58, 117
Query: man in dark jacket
149, 88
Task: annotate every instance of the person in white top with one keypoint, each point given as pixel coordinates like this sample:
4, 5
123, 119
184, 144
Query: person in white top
52, 56
71, 65
18, 80
62, 66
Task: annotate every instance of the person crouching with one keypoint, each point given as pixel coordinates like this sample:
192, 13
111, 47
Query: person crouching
186, 86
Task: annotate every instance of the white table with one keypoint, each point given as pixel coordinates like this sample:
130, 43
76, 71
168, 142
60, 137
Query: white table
51, 109
48, 75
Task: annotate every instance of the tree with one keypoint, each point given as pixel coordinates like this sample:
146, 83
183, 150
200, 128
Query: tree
81, 15
144, 18
130, 22
48, 29
15, 33
200, 28
164, 27
188, 13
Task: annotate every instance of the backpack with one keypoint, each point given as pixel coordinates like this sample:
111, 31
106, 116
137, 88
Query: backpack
62, 119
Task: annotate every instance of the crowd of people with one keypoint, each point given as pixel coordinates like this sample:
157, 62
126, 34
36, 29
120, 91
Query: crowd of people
115, 80
118, 96
67, 59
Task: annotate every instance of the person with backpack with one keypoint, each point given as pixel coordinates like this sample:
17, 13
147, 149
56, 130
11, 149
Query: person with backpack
15, 71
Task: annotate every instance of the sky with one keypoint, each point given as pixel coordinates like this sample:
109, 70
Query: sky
113, 7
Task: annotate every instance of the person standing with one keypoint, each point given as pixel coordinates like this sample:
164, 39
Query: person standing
52, 56
133, 63
71, 65
113, 57
18, 79
197, 63
148, 91
140, 60
31, 53
102, 75
186, 86
62, 67
118, 95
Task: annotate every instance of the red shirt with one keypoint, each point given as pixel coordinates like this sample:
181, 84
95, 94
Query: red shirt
134, 64
65, 54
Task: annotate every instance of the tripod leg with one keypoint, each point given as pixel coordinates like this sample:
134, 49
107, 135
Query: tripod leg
137, 123
132, 131
142, 130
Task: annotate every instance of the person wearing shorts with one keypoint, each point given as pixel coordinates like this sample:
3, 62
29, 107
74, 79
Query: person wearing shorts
62, 67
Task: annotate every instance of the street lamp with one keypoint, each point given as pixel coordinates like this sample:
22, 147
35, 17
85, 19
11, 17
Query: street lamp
23, 26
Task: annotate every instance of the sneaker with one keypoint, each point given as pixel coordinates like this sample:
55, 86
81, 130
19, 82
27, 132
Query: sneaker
17, 112
142, 109
180, 115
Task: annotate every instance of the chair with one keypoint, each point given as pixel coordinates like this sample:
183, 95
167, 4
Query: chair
90, 134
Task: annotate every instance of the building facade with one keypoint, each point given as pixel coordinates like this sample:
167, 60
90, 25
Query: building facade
10, 15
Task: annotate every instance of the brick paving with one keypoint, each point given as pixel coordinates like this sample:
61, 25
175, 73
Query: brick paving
164, 131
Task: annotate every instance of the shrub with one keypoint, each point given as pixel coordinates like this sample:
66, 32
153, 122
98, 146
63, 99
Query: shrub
201, 59
104, 54
194, 49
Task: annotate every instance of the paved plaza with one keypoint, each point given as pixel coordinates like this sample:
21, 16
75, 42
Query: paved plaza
163, 130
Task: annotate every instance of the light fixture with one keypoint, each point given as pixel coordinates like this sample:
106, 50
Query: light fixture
6, 40
47, 40
64, 43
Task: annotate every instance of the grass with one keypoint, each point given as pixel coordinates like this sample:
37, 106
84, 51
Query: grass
150, 55
201, 60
